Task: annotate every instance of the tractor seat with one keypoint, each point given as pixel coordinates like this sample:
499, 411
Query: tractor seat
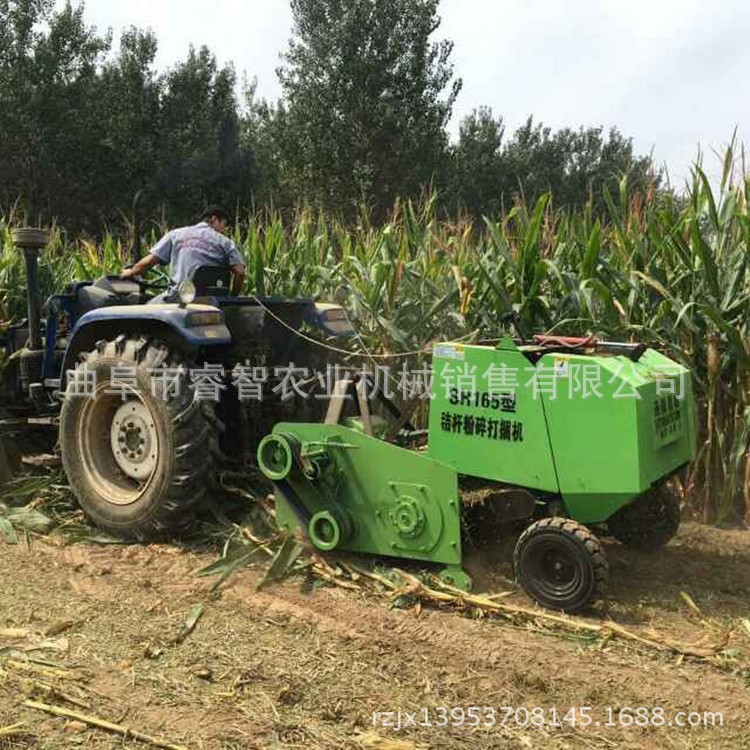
211, 281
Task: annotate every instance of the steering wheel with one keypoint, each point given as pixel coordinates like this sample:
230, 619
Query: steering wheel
160, 284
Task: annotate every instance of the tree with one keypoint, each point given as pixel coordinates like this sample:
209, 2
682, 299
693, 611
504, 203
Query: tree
81, 132
19, 20
367, 98
128, 111
48, 64
478, 172
259, 126
575, 166
201, 158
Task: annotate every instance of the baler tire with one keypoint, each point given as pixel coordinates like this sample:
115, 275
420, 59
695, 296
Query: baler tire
648, 522
550, 546
164, 503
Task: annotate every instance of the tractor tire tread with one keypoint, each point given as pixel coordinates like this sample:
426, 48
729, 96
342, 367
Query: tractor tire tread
193, 463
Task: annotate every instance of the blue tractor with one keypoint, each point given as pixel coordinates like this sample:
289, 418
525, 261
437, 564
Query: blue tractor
140, 448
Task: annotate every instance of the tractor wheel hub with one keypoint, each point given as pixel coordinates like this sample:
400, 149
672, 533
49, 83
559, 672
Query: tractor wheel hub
134, 441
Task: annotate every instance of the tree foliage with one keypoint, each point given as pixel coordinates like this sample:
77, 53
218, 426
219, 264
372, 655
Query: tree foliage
576, 166
368, 91
83, 131
367, 97
46, 83
477, 164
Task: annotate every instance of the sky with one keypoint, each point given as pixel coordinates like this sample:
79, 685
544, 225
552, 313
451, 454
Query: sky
670, 73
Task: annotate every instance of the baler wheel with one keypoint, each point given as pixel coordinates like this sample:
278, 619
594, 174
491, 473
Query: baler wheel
561, 564
648, 522
141, 460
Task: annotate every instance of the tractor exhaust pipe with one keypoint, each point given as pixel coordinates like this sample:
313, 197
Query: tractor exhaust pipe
31, 241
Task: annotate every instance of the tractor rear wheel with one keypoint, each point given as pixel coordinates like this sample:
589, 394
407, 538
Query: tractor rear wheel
561, 564
648, 522
138, 451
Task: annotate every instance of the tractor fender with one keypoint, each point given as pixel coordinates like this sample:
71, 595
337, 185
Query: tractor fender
189, 328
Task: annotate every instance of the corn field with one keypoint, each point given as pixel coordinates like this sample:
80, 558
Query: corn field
672, 272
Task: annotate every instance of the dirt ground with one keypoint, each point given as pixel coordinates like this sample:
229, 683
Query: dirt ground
286, 668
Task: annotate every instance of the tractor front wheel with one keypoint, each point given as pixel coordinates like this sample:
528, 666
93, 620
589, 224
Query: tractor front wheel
136, 445
648, 522
561, 564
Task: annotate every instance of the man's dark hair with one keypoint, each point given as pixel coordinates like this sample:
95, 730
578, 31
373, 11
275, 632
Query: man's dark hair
215, 211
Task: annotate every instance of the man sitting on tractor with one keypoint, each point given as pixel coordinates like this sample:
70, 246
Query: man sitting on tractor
188, 248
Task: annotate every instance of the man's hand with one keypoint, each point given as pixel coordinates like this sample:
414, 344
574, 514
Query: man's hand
238, 279
140, 267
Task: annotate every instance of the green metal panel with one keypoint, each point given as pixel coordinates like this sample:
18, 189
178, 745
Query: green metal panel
484, 419
667, 439
386, 500
613, 444
598, 429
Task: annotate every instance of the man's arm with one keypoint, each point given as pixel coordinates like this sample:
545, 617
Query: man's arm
161, 252
236, 264
140, 267
238, 279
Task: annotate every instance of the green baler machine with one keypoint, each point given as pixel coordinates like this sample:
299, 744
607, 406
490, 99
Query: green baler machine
556, 433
